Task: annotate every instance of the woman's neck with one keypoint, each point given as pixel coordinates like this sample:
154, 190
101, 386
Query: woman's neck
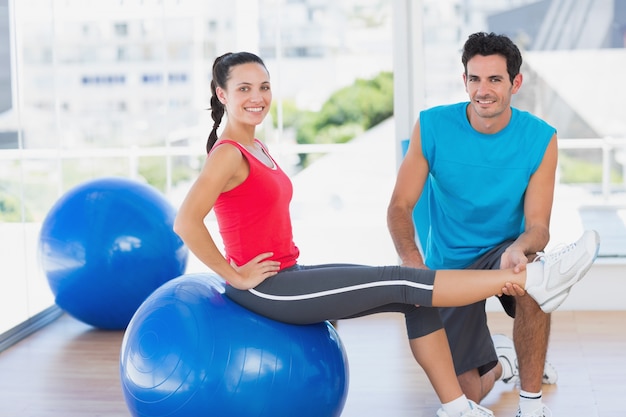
242, 134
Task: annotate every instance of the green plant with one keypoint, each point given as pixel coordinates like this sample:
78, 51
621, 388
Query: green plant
347, 112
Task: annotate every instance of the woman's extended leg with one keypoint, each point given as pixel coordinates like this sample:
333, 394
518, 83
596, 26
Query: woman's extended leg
547, 281
304, 295
458, 288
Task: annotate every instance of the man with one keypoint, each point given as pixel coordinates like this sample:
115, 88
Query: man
485, 173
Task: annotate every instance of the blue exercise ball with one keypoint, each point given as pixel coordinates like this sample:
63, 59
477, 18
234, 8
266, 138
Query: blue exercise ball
189, 351
105, 245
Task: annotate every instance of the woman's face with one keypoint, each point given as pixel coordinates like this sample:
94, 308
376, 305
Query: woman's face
248, 95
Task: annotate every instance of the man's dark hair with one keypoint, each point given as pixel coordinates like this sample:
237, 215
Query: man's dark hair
485, 44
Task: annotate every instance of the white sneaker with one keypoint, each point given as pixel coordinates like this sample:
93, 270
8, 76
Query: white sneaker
542, 412
550, 376
507, 357
475, 411
550, 278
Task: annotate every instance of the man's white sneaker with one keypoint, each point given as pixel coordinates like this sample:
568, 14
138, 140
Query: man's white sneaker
475, 411
550, 278
508, 359
542, 412
550, 376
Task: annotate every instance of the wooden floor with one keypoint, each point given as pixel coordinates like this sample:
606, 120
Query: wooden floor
69, 369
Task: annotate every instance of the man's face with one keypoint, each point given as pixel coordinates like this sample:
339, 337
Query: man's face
488, 85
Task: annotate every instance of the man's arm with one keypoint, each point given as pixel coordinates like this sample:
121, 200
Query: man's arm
409, 185
537, 210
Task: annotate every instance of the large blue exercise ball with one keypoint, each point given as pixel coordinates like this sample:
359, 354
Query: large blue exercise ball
105, 245
190, 351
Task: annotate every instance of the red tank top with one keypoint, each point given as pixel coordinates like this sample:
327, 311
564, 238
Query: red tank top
254, 217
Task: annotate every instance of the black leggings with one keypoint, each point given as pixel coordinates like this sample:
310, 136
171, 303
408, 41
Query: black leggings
313, 294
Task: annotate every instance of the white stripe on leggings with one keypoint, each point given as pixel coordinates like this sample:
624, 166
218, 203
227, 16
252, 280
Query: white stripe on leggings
341, 290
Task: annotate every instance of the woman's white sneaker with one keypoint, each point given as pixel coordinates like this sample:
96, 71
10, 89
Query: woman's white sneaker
552, 275
474, 411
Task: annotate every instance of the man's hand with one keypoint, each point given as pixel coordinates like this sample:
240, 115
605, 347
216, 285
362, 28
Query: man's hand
414, 264
513, 258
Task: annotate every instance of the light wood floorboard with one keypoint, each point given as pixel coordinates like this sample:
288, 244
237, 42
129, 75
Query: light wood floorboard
69, 369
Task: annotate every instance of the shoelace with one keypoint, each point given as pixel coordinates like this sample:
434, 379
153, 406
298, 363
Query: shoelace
555, 254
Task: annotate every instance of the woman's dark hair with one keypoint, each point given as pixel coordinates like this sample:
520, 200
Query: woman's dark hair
221, 74
486, 44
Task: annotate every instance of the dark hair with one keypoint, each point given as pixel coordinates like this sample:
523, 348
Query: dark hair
486, 44
221, 74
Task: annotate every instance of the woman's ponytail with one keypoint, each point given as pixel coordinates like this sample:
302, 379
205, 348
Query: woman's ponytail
217, 112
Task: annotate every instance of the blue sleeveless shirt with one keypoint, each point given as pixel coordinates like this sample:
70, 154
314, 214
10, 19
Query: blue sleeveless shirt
474, 195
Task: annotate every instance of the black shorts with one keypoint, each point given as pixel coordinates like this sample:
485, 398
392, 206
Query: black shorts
466, 327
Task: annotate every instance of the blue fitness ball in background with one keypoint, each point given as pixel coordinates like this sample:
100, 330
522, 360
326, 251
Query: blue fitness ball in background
190, 351
105, 246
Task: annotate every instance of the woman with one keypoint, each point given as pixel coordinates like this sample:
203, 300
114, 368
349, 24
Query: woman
251, 194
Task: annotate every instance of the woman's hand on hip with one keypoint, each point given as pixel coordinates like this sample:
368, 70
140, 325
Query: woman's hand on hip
254, 272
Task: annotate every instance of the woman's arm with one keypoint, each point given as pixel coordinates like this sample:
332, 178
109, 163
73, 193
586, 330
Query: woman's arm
224, 169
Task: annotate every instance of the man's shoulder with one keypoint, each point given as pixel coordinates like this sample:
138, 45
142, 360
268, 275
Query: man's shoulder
526, 117
450, 112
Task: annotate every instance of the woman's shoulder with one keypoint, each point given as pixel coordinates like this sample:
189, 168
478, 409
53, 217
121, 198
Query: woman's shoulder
226, 150
226, 141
